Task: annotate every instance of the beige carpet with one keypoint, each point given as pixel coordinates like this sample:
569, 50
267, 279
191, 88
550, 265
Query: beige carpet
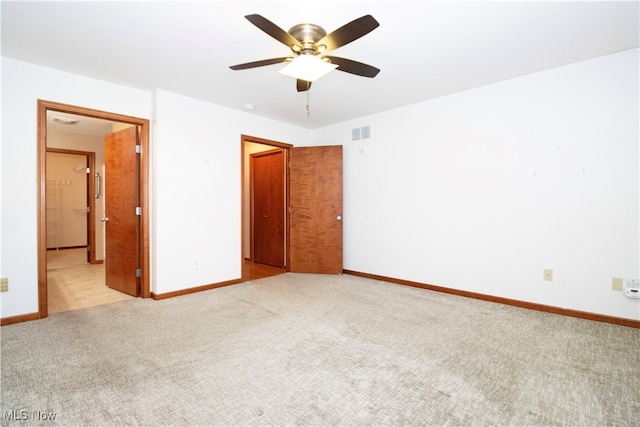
301, 349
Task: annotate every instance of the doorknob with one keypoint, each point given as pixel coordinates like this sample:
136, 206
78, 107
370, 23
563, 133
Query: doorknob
339, 217
104, 219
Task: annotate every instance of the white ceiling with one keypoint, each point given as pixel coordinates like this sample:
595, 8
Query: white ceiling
425, 49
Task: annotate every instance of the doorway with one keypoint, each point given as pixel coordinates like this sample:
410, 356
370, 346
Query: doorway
264, 202
66, 115
68, 203
267, 210
312, 208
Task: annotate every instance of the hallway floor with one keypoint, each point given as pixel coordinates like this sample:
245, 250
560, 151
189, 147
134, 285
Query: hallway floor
253, 271
73, 283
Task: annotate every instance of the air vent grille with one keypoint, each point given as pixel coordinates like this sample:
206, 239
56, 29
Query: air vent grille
363, 132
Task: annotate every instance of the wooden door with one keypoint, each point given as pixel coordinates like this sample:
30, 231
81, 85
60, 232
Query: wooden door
121, 188
268, 208
315, 209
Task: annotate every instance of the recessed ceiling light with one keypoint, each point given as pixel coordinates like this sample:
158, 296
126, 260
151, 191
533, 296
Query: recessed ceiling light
66, 121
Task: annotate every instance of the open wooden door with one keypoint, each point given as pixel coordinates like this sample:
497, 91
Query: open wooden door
268, 208
315, 197
122, 195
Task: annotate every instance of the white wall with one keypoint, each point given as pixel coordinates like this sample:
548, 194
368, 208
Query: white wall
198, 184
196, 181
22, 85
479, 191
483, 190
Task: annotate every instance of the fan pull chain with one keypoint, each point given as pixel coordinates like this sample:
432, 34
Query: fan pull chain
308, 108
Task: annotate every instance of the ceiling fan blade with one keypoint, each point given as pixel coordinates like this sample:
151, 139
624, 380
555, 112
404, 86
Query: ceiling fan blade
273, 30
354, 67
302, 85
259, 63
349, 32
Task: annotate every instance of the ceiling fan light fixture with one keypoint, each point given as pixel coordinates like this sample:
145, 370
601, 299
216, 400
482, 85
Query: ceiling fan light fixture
308, 68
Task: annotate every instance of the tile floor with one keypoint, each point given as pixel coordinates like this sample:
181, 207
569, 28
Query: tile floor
73, 283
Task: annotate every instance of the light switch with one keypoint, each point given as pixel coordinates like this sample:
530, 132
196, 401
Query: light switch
616, 284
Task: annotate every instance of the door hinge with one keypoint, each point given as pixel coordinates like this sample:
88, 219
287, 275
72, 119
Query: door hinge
138, 149
138, 210
88, 248
88, 209
88, 170
139, 272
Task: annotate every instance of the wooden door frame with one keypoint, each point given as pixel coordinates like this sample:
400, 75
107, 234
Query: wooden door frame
43, 107
91, 201
285, 148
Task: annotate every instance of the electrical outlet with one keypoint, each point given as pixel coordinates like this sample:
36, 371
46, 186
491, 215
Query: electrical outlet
4, 284
616, 284
548, 275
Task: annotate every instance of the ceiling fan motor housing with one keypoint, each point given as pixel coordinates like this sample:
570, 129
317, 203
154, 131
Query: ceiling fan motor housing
308, 35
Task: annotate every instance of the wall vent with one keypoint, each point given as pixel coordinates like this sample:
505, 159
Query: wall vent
361, 133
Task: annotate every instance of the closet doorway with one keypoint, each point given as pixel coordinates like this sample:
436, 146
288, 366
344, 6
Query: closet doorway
264, 207
310, 193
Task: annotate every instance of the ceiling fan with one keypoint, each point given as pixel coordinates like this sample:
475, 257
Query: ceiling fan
309, 41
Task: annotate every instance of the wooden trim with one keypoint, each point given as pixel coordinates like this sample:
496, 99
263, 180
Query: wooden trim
194, 290
507, 301
88, 112
267, 152
255, 139
252, 216
65, 248
143, 124
145, 224
287, 213
43, 305
19, 319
